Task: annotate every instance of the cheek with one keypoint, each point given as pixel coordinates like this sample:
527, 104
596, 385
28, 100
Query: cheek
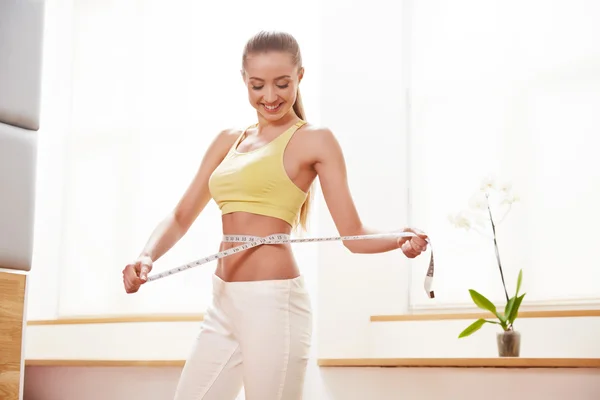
253, 95
289, 94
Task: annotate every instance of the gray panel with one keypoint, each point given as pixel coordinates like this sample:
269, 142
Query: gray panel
21, 37
18, 159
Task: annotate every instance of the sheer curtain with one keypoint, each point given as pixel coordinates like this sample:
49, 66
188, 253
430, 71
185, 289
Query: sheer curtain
510, 89
146, 86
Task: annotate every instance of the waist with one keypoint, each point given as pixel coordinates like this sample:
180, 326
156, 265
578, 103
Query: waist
249, 224
247, 247
256, 257
274, 238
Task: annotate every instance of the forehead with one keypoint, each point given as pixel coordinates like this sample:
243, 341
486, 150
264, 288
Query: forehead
269, 65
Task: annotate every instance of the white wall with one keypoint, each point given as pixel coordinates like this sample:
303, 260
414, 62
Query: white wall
361, 83
328, 384
364, 104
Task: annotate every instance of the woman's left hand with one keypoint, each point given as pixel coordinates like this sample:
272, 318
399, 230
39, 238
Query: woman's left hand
413, 246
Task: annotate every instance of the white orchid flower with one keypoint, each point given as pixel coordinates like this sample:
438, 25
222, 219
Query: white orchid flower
488, 183
478, 202
505, 187
510, 199
460, 220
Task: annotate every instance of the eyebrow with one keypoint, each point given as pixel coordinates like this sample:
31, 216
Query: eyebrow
278, 78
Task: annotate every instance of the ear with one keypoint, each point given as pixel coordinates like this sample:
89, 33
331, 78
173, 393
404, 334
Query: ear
300, 74
243, 75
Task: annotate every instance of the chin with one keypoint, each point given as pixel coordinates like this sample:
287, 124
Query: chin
272, 117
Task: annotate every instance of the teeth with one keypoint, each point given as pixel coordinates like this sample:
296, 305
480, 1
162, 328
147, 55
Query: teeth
271, 107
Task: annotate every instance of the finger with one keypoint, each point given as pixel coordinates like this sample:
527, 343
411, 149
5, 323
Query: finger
412, 247
408, 250
420, 241
416, 233
131, 286
144, 273
410, 254
131, 289
129, 272
131, 280
402, 240
418, 244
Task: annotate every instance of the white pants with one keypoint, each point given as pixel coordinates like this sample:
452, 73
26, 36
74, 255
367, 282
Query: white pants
256, 335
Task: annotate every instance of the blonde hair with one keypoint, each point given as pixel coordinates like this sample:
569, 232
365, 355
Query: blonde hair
266, 41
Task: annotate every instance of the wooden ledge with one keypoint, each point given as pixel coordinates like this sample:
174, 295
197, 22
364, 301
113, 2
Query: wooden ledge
101, 319
104, 363
358, 363
500, 362
476, 315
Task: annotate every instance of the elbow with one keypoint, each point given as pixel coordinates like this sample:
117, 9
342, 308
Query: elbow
179, 222
352, 247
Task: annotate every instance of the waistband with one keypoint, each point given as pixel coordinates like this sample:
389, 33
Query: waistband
220, 286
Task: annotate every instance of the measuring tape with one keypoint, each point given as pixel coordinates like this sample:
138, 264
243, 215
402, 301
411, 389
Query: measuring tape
255, 241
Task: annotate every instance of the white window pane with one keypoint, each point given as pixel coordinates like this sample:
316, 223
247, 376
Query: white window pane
496, 88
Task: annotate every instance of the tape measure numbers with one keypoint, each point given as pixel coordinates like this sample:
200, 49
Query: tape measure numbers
255, 241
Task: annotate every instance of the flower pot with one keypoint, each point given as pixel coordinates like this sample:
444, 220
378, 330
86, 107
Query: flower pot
509, 343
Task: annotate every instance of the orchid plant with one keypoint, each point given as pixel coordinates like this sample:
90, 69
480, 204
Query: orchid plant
491, 200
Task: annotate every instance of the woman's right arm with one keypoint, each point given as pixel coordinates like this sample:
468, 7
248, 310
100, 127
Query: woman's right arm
174, 226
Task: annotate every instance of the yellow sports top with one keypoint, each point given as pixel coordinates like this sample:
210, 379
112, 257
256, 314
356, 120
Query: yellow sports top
256, 181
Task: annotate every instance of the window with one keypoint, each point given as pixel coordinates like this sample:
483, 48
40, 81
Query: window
146, 88
493, 92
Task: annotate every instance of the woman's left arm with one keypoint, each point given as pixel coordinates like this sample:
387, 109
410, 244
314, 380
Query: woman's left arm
330, 166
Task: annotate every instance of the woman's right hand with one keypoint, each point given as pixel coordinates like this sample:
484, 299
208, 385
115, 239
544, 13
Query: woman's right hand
136, 274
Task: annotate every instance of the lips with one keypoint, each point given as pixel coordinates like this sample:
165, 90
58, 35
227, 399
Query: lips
272, 108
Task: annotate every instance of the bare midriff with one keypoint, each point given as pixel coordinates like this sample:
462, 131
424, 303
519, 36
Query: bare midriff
265, 262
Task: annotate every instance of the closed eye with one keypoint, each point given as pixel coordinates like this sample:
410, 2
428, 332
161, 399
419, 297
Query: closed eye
279, 86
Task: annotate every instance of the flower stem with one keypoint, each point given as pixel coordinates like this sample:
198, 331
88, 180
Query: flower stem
496, 247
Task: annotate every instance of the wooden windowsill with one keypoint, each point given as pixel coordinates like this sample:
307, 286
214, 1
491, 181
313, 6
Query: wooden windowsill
104, 363
359, 363
119, 319
500, 362
476, 315
111, 319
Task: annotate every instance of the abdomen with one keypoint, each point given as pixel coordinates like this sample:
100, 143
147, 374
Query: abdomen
265, 262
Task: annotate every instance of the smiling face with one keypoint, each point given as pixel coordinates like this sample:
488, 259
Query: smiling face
272, 79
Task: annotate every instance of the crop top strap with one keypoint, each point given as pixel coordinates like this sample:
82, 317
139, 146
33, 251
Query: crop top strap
240, 137
291, 130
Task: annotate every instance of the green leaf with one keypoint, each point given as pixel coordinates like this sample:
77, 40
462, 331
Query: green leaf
519, 279
515, 310
474, 327
482, 302
509, 307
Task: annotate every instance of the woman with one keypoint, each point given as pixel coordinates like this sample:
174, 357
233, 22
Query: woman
257, 331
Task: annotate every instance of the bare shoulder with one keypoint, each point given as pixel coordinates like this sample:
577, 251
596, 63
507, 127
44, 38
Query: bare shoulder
319, 135
228, 136
321, 140
223, 141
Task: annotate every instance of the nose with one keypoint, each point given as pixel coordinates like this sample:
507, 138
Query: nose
270, 96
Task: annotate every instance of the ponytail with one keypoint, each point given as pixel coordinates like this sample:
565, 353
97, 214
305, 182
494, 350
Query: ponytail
299, 107
302, 220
